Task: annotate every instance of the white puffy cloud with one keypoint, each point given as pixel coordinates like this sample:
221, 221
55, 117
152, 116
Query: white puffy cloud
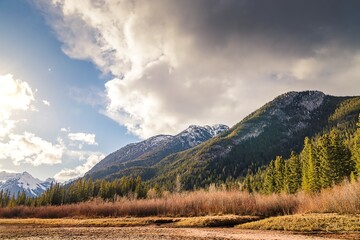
15, 95
178, 63
47, 103
92, 158
87, 138
28, 148
64, 130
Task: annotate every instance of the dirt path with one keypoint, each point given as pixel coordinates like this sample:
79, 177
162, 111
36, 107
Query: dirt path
147, 233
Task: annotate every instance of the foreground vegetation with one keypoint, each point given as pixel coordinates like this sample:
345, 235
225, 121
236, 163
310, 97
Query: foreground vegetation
209, 221
308, 223
324, 161
324, 222
342, 199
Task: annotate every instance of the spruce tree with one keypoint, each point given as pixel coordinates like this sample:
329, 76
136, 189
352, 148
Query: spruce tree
324, 152
335, 159
356, 148
310, 167
343, 164
293, 177
279, 174
269, 181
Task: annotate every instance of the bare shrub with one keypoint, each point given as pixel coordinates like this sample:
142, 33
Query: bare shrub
339, 199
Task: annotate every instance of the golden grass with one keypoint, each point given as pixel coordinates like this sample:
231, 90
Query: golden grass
190, 204
343, 199
215, 221
93, 222
208, 221
330, 222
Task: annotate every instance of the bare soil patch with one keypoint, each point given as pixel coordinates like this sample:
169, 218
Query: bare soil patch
148, 233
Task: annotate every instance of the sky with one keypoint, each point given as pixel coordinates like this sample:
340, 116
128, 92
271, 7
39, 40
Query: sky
80, 79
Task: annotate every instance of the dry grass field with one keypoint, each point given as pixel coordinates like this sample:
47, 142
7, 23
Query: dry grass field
184, 228
202, 214
308, 223
149, 233
341, 199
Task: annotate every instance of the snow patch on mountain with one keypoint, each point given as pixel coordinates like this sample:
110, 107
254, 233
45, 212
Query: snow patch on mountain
4, 176
153, 149
312, 100
194, 135
19, 182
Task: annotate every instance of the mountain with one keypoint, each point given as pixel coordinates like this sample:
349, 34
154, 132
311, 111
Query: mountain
133, 158
18, 182
199, 156
275, 129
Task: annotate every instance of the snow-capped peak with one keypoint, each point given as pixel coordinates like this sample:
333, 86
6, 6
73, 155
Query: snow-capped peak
18, 182
4, 176
194, 134
26, 181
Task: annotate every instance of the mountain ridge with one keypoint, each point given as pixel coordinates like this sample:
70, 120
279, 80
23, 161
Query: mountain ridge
149, 151
15, 183
276, 128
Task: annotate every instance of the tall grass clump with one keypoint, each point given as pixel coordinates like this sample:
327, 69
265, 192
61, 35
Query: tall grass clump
342, 199
186, 204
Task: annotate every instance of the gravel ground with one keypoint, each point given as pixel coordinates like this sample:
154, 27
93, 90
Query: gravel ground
150, 233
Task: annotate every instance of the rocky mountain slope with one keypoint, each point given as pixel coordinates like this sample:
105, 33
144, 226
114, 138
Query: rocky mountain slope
275, 129
199, 156
133, 158
19, 182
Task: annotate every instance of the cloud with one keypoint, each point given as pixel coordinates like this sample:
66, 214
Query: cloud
15, 95
47, 103
92, 158
64, 129
177, 63
88, 138
28, 148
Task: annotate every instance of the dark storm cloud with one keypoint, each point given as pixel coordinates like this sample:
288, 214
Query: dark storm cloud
181, 62
294, 26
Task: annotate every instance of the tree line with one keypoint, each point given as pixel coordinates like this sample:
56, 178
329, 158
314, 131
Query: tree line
323, 162
79, 191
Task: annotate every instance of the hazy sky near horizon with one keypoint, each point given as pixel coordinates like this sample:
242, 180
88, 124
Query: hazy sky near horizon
80, 79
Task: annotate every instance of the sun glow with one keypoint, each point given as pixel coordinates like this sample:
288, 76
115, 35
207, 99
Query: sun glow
14, 94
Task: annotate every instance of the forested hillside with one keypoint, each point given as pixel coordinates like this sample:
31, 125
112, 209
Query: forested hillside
276, 129
324, 161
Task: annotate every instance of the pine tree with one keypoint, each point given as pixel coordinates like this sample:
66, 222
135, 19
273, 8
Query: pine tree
21, 198
341, 155
310, 168
279, 173
12, 202
269, 181
56, 195
103, 191
335, 159
327, 171
293, 176
356, 148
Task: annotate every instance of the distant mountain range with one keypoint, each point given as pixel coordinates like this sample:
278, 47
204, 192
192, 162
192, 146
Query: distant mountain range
203, 155
19, 182
131, 159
